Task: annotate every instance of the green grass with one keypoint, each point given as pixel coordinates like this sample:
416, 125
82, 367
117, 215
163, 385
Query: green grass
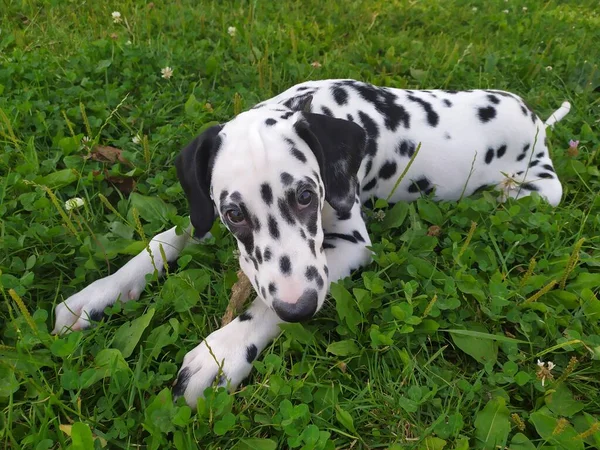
433, 346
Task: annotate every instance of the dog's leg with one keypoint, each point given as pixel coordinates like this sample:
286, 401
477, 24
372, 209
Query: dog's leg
126, 284
226, 355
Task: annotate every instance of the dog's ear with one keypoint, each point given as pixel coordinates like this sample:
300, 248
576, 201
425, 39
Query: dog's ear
339, 146
194, 168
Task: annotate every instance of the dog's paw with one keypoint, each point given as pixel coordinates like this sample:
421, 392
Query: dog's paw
80, 309
224, 357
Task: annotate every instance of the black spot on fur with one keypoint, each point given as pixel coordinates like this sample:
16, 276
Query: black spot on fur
267, 254
432, 117
270, 122
370, 185
286, 115
273, 229
524, 110
326, 270
548, 167
501, 151
492, 98
350, 118
545, 175
286, 179
182, 381
247, 240
384, 102
328, 245
311, 273
521, 157
387, 170
406, 148
447, 102
266, 193
340, 95
369, 125
447, 136
263, 292
311, 224
223, 196
95, 315
533, 163
302, 234
540, 155
326, 111
285, 265
420, 185
311, 245
251, 352
272, 288
245, 316
486, 114
236, 197
285, 211
489, 156
298, 155
345, 237
358, 236
258, 255
529, 187
368, 167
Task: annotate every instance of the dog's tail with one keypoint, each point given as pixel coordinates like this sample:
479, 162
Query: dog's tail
558, 115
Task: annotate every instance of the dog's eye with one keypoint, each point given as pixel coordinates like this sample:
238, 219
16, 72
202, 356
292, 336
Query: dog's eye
235, 216
305, 197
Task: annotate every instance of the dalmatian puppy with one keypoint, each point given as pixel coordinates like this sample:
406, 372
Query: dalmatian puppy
288, 178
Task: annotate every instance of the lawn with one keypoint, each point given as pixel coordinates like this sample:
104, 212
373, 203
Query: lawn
477, 325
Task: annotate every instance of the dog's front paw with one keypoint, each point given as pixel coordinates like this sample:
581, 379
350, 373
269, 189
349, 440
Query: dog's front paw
224, 357
87, 305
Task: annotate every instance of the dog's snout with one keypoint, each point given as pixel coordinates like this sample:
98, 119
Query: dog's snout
304, 308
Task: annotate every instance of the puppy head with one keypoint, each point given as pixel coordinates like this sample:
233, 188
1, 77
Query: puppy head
268, 174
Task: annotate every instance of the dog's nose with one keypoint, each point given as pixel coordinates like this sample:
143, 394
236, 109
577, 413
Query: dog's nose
303, 309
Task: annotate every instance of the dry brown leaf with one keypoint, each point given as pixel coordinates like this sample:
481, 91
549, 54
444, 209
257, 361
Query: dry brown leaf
124, 184
107, 154
240, 292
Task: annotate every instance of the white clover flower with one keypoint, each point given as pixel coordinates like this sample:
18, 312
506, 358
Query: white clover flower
474, 9
545, 370
506, 11
316, 64
232, 31
116, 16
85, 142
128, 42
548, 68
166, 72
74, 203
379, 215
524, 8
136, 139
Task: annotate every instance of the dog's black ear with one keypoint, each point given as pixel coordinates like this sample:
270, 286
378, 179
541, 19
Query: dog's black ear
339, 146
194, 168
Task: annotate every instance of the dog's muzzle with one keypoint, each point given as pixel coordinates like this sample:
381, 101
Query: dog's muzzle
301, 310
